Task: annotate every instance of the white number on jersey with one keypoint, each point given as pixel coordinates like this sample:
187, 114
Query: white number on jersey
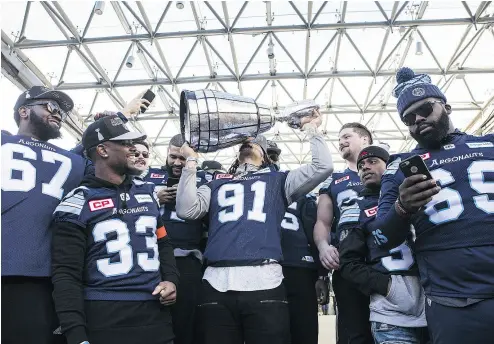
404, 263
290, 221
236, 202
346, 195
28, 171
476, 176
121, 246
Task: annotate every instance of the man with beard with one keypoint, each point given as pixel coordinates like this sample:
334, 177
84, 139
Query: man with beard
389, 277
35, 177
243, 298
185, 237
353, 306
453, 214
113, 266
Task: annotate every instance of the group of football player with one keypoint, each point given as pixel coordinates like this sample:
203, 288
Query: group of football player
98, 247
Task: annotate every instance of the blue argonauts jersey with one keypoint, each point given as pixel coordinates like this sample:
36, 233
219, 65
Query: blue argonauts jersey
294, 243
36, 175
455, 236
183, 234
121, 224
244, 218
361, 211
344, 186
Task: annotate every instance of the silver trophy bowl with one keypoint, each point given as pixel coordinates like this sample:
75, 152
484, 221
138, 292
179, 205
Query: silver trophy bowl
212, 120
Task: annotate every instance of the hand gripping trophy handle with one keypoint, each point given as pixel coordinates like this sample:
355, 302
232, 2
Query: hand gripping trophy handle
211, 120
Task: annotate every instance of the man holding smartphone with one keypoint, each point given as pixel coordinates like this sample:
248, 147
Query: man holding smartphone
453, 213
389, 277
185, 237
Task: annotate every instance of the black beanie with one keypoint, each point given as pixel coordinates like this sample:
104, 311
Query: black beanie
373, 151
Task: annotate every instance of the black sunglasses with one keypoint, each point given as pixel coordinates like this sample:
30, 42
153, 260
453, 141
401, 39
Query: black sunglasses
423, 110
52, 108
145, 155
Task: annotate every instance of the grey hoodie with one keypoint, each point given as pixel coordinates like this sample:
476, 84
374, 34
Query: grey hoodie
403, 306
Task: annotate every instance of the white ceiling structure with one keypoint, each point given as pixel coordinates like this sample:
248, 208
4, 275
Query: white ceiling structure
342, 54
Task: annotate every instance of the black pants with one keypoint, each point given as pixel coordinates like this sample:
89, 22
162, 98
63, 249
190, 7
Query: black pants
128, 322
459, 325
238, 317
184, 311
302, 303
28, 312
353, 313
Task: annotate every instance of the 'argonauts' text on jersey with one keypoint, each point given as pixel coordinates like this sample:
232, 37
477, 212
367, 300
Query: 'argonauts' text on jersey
454, 231
244, 218
122, 258
36, 175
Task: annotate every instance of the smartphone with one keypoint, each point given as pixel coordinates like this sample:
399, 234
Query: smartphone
149, 96
172, 182
413, 166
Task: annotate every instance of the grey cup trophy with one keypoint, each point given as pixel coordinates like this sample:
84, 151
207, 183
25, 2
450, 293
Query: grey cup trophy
212, 120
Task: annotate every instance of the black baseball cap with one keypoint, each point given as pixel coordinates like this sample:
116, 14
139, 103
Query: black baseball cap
373, 151
211, 165
41, 92
110, 128
273, 148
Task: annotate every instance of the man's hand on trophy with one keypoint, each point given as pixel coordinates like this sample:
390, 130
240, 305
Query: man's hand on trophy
315, 119
188, 152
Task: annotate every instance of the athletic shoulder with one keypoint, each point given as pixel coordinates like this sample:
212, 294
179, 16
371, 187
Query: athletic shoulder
72, 205
335, 178
488, 139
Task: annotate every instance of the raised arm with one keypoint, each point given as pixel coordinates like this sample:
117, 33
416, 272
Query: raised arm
304, 179
192, 202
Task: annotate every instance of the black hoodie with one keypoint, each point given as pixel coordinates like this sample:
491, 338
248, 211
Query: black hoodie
69, 252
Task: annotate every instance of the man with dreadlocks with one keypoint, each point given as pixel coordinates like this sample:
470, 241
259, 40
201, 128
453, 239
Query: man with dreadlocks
243, 299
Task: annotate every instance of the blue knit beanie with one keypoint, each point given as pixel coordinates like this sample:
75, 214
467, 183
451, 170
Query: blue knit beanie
412, 88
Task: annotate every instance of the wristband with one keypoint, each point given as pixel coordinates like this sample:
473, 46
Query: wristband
400, 209
191, 158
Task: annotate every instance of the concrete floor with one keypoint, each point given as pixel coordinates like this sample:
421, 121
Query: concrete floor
327, 329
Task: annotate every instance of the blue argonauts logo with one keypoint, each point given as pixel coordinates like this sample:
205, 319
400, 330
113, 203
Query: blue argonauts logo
418, 91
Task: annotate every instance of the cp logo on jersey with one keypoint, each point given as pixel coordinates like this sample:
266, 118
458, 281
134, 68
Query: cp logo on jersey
371, 212
223, 176
101, 204
156, 175
342, 179
425, 156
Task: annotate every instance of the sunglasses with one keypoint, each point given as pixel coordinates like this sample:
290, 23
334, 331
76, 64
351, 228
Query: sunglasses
145, 155
52, 108
423, 110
